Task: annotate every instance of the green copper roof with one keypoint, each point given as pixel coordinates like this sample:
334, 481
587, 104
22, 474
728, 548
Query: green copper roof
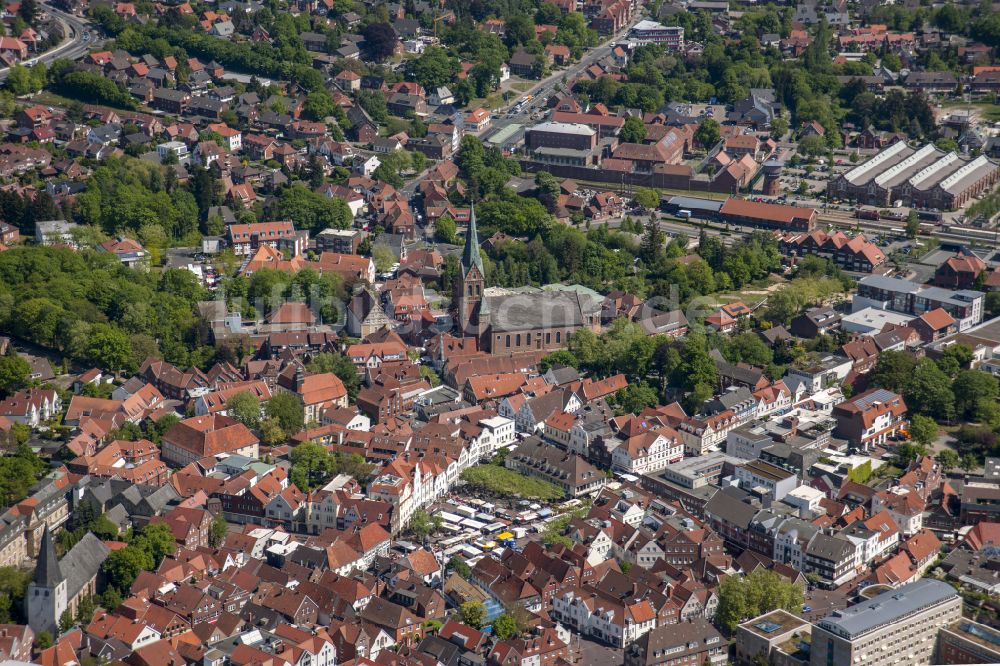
471, 256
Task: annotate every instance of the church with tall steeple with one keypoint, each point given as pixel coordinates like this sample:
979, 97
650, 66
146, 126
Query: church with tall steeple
46, 596
522, 318
471, 282
58, 586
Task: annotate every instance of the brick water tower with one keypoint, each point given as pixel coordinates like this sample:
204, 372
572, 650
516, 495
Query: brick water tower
772, 178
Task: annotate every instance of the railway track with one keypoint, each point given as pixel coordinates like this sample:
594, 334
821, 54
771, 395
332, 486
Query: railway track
945, 232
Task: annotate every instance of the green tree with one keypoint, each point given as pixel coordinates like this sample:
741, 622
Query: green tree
44, 640
13, 585
158, 540
122, 566
383, 258
111, 599
445, 230
286, 408
20, 81
505, 627
557, 359
633, 131
969, 462
110, 348
648, 198
697, 366
923, 429
779, 128
635, 397
433, 69
553, 532
421, 524
311, 465
652, 247
459, 566
742, 597
812, 145
245, 408
271, 432
318, 105
354, 466
472, 614
970, 387
104, 529
912, 225
948, 459
311, 210
14, 372
217, 533
929, 391
547, 189
708, 133
893, 370
65, 621
341, 366
908, 452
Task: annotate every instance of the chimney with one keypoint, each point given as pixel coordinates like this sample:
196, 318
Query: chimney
299, 378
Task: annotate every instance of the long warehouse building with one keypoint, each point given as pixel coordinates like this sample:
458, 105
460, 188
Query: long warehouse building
923, 177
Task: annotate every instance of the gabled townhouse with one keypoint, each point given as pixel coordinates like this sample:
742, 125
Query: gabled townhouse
702, 434
31, 406
832, 558
869, 419
648, 452
604, 618
531, 411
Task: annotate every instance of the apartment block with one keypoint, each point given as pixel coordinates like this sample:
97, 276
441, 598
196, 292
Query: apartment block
897, 627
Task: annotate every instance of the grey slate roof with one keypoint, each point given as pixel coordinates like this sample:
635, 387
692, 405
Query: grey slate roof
47, 571
683, 640
732, 506
887, 607
564, 374
830, 548
534, 311
82, 563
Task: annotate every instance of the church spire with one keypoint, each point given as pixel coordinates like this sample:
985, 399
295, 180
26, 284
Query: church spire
47, 571
471, 256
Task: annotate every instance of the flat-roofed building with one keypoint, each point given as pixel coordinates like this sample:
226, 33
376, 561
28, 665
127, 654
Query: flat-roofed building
651, 32
968, 642
762, 478
560, 135
768, 635
896, 627
699, 471
898, 295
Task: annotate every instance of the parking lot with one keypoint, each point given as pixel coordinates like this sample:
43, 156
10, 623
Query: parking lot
586, 652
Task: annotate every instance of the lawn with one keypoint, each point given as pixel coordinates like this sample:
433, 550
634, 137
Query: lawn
493, 102
507, 483
753, 293
987, 111
47, 98
923, 246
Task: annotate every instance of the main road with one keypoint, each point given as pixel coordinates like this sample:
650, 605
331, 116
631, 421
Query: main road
76, 40
542, 88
